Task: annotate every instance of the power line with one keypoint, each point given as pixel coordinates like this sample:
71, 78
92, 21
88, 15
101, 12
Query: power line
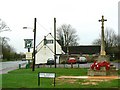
42, 26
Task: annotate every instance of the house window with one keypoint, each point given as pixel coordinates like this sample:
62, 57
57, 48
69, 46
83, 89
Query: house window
49, 41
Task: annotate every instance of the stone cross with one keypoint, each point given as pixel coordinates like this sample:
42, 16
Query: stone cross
102, 52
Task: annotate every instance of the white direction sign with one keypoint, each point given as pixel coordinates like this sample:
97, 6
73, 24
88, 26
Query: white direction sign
47, 75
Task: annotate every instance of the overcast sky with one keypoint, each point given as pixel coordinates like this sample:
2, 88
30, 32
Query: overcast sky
83, 15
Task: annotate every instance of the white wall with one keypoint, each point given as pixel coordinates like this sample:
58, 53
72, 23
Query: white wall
44, 52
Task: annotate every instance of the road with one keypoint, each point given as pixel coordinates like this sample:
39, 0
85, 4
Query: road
5, 67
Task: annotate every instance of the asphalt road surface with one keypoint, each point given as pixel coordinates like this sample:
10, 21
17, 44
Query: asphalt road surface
5, 67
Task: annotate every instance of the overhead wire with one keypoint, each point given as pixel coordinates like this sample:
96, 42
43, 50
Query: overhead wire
43, 39
46, 29
42, 26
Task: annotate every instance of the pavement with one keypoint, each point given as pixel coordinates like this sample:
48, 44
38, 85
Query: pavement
6, 70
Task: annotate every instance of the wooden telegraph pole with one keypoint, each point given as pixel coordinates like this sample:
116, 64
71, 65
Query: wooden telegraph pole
55, 41
35, 20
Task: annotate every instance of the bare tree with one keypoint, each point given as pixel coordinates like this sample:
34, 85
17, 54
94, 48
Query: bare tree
67, 35
97, 41
111, 38
4, 44
3, 26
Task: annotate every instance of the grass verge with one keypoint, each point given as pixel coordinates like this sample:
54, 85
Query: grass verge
26, 78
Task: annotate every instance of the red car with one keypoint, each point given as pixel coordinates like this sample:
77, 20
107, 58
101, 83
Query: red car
97, 65
71, 60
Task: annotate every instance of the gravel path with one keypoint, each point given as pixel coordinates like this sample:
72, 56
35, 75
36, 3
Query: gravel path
89, 77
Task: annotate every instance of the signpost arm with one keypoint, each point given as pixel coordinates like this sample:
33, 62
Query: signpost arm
28, 49
29, 60
38, 81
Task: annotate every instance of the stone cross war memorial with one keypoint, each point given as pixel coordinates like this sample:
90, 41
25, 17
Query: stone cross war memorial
102, 66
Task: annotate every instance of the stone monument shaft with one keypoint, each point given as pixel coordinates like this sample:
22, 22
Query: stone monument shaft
102, 52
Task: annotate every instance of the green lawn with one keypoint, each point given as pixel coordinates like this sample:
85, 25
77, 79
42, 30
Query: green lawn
26, 78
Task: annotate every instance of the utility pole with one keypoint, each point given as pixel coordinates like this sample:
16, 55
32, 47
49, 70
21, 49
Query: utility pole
34, 52
55, 41
102, 52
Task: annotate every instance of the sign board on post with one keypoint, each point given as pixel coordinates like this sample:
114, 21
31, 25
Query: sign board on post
46, 75
28, 55
28, 43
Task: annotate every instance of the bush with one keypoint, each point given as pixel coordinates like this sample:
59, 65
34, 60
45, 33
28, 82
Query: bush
63, 62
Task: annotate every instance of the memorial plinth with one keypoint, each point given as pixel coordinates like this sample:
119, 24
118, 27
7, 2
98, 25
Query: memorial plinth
111, 72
